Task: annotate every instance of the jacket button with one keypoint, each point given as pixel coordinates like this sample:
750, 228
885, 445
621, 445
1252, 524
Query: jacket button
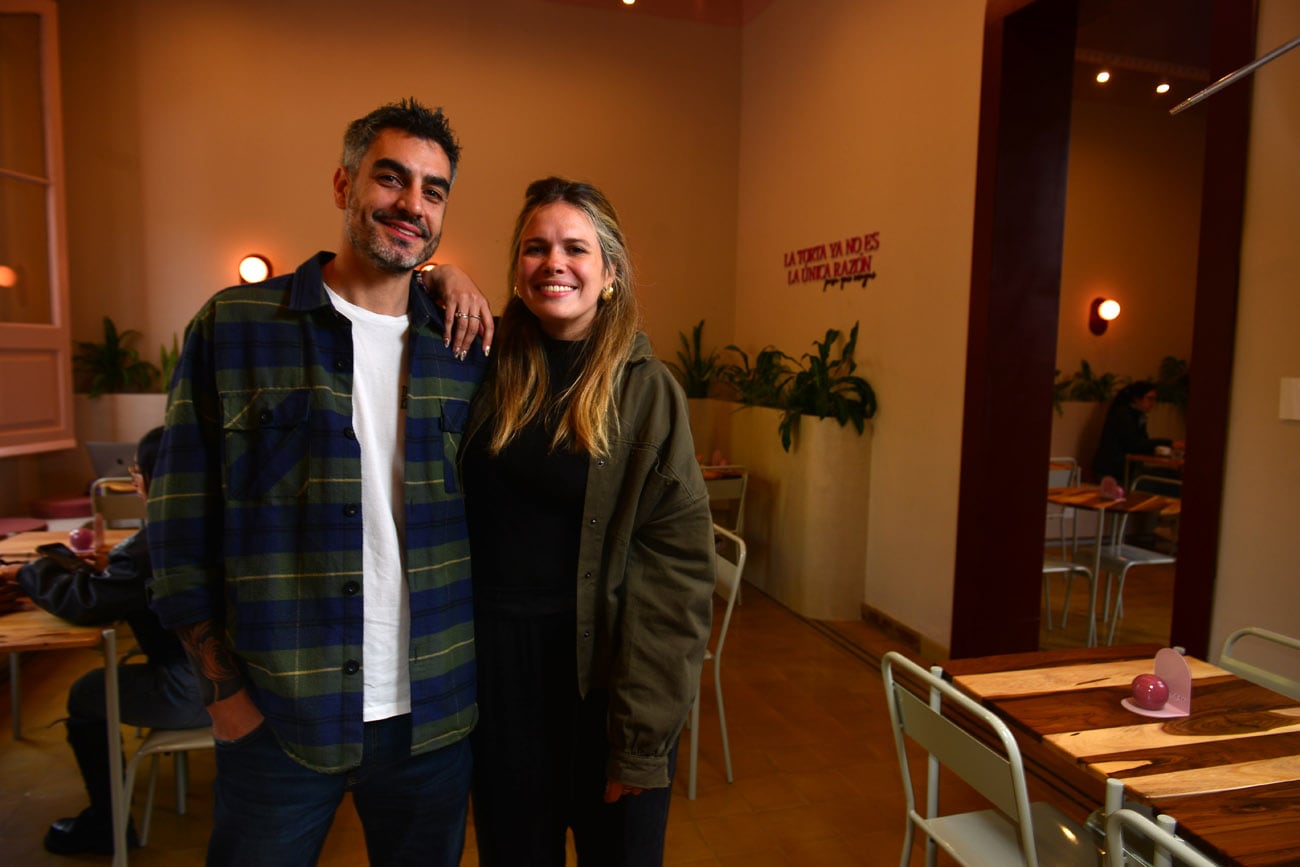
600, 462
351, 588
350, 510
594, 521
587, 576
351, 667
586, 634
349, 433
265, 416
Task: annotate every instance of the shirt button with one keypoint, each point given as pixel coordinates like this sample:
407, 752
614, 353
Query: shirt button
594, 522
349, 433
587, 576
351, 588
265, 416
586, 634
340, 364
350, 510
351, 667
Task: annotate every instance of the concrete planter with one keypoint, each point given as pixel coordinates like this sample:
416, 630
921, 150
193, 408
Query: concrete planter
806, 512
118, 417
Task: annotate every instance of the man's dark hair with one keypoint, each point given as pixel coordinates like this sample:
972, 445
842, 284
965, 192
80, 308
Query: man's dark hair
409, 116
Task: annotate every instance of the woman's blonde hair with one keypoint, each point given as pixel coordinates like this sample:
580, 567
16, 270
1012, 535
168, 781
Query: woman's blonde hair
519, 387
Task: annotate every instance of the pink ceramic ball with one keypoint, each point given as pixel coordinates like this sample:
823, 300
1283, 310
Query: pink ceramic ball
82, 539
1150, 692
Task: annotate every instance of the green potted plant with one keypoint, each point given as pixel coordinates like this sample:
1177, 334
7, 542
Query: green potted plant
827, 387
1173, 382
760, 383
695, 370
114, 366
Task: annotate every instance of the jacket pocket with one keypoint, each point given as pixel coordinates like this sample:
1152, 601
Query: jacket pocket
268, 449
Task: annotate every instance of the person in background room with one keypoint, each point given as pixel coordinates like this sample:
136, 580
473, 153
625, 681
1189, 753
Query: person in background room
1125, 430
308, 531
158, 693
592, 549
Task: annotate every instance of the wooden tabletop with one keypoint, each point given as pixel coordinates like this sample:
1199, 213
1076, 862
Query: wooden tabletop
22, 546
1089, 497
1229, 773
37, 629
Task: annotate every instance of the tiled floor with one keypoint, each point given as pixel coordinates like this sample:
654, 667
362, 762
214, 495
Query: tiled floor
816, 780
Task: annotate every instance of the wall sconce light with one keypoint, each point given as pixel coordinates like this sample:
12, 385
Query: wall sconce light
254, 268
8, 277
1100, 314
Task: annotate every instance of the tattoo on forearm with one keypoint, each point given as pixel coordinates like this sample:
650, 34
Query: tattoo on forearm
212, 661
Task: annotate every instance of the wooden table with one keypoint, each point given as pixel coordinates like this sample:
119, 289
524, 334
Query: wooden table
1229, 773
1168, 462
36, 629
1089, 497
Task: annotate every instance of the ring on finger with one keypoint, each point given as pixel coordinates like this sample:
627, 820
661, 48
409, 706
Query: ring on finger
462, 315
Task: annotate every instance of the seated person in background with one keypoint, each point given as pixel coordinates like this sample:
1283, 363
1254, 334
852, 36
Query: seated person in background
1125, 430
161, 693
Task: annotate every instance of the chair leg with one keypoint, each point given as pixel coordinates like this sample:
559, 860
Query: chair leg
695, 746
181, 763
722, 720
148, 800
1047, 599
15, 692
1114, 617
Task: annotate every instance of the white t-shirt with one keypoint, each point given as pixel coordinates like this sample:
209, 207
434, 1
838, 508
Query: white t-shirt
378, 379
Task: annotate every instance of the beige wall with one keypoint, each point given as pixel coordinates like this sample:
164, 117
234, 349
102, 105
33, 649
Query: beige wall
862, 117
197, 132
1259, 558
1132, 220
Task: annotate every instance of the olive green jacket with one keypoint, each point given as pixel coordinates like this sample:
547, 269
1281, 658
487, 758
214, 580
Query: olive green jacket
645, 572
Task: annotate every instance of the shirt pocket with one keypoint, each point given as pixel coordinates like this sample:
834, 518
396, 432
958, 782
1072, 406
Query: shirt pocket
452, 421
268, 450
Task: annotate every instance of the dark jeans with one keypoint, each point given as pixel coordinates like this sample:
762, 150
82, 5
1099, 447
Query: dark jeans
270, 810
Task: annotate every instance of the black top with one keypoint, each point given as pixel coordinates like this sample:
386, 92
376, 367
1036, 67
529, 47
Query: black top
525, 509
1124, 433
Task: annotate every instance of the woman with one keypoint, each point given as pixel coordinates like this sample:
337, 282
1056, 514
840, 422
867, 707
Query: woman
1125, 430
591, 541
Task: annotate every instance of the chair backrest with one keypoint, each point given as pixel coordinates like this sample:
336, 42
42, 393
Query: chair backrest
1165, 842
110, 459
114, 498
1256, 673
727, 486
731, 553
991, 764
1062, 472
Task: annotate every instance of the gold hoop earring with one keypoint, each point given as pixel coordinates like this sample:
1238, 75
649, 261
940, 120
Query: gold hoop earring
607, 293
515, 289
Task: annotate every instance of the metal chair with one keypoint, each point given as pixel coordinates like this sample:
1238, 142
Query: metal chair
156, 743
726, 486
1168, 847
1256, 673
1068, 568
730, 567
1118, 557
1016, 832
1063, 472
114, 499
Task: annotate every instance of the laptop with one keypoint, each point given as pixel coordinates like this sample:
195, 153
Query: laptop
111, 459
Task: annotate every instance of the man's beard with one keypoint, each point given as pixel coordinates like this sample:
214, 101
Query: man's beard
364, 235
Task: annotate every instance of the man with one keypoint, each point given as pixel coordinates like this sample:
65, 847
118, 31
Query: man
308, 532
158, 693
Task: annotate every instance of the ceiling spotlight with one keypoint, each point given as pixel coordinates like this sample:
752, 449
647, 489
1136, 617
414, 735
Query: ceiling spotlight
1162, 87
1103, 77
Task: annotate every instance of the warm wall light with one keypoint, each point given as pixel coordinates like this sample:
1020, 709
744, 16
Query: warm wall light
1100, 314
1103, 77
1162, 87
254, 268
8, 277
